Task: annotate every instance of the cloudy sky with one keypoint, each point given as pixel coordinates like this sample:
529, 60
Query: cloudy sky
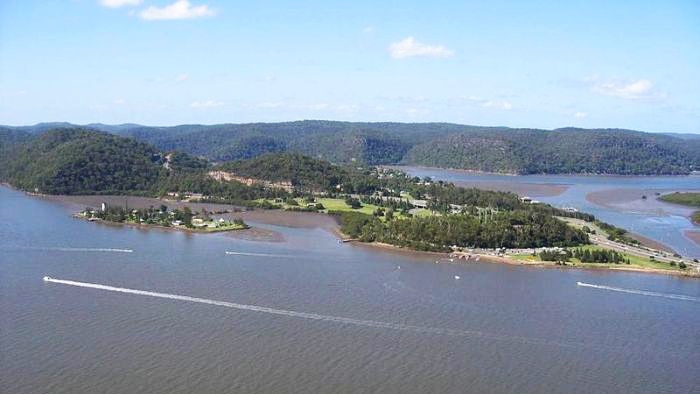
548, 64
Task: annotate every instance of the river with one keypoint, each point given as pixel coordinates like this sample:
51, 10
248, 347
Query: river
303, 313
618, 200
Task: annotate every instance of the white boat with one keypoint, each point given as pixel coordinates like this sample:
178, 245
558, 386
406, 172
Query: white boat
47, 278
457, 277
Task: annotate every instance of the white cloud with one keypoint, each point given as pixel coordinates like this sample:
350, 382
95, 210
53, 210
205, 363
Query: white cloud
206, 104
498, 104
368, 29
580, 115
182, 77
181, 9
633, 90
409, 47
119, 3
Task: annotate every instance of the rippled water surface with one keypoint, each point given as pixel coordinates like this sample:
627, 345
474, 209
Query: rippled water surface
497, 329
614, 199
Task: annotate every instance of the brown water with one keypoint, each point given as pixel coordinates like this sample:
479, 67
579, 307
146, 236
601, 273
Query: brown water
342, 326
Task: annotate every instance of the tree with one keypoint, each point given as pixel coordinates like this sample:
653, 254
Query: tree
389, 215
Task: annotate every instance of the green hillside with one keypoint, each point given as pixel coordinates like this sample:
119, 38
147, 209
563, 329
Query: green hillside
493, 149
75, 161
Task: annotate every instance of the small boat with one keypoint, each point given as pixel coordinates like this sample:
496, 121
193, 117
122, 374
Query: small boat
456, 277
47, 278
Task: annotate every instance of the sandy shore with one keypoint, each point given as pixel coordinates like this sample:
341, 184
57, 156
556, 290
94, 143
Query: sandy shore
251, 216
650, 243
264, 216
693, 235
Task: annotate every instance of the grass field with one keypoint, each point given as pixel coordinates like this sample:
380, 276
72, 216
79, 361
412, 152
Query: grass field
635, 261
691, 199
337, 204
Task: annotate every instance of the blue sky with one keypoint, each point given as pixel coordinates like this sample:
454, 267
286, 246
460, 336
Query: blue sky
629, 64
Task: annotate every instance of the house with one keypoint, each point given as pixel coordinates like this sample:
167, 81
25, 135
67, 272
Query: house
176, 223
526, 199
198, 222
456, 208
419, 203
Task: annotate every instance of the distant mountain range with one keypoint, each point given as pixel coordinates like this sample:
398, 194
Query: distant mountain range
492, 149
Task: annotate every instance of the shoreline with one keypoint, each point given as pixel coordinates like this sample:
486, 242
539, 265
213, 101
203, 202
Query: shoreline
582, 174
530, 189
329, 223
161, 227
490, 259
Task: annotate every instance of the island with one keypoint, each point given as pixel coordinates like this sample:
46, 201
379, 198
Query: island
184, 219
372, 204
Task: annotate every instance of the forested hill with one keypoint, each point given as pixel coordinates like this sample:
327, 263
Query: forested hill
75, 161
493, 149
300, 170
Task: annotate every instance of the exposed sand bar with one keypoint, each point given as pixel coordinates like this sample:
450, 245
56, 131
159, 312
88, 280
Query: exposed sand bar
693, 235
261, 216
625, 199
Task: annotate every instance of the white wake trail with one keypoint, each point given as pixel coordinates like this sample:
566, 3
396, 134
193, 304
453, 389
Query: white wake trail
256, 254
311, 316
256, 308
113, 250
640, 292
62, 249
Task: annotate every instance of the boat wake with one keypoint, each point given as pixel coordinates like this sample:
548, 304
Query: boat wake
105, 250
256, 254
310, 316
640, 292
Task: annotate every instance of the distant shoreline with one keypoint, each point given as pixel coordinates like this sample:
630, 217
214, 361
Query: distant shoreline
533, 189
511, 174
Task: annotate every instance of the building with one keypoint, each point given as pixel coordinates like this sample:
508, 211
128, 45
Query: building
419, 203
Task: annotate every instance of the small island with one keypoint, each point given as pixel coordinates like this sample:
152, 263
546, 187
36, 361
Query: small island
184, 219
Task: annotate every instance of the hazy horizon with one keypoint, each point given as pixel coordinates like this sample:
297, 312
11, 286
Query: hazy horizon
341, 121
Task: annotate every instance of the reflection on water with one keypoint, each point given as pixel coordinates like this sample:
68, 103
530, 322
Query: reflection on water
530, 330
613, 199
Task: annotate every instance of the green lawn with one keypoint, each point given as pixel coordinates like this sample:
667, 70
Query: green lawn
635, 261
579, 224
338, 204
422, 212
